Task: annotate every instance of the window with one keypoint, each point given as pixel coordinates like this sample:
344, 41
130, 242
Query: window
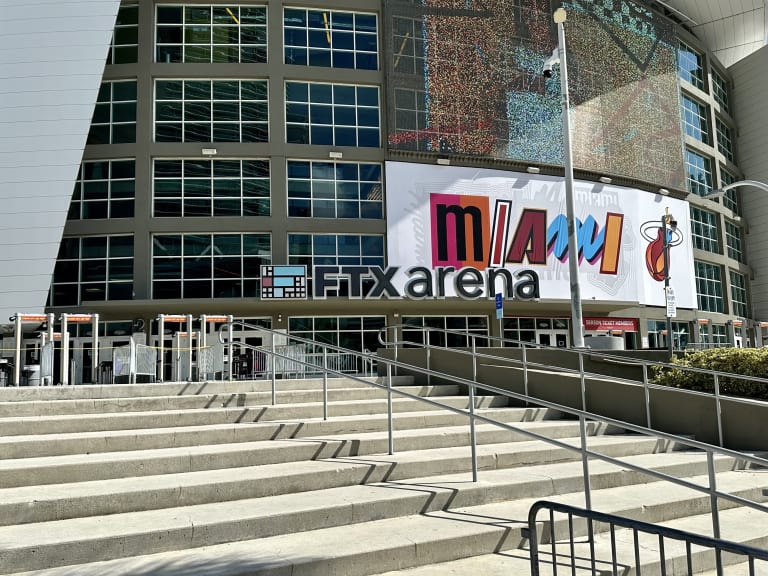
695, 122
334, 190
720, 91
733, 241
196, 187
690, 65
699, 169
124, 48
359, 333
93, 268
709, 287
731, 198
739, 295
519, 329
463, 325
332, 114
104, 189
330, 38
337, 250
211, 111
409, 47
657, 334
713, 335
704, 230
410, 120
208, 265
724, 139
114, 116
211, 34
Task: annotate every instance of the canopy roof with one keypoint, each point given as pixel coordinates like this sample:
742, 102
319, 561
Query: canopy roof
732, 29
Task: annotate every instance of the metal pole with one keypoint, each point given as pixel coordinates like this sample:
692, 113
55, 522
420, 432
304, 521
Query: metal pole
64, 360
160, 347
17, 354
95, 351
390, 432
577, 323
472, 432
325, 383
665, 246
189, 351
230, 346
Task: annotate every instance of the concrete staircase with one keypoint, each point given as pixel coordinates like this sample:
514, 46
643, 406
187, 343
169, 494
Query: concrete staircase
187, 478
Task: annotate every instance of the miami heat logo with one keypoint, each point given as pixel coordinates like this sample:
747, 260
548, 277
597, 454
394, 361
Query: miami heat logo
653, 232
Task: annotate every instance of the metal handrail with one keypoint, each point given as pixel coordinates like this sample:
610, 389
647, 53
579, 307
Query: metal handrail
719, 545
582, 415
593, 355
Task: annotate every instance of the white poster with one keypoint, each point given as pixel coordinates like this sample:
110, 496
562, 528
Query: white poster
456, 217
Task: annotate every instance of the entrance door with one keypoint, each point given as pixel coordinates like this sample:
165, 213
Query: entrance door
557, 338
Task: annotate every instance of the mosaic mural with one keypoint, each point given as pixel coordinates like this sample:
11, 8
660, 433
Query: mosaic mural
465, 77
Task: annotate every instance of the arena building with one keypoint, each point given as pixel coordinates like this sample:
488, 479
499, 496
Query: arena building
331, 167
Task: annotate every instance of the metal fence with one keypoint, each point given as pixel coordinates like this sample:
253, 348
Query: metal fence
554, 542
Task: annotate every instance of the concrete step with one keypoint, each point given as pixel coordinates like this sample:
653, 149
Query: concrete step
53, 502
101, 466
73, 500
140, 404
158, 438
374, 532
92, 391
67, 424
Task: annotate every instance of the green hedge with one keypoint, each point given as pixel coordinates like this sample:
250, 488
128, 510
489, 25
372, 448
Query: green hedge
749, 362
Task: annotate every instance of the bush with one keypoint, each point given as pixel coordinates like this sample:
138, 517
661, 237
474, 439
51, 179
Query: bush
749, 362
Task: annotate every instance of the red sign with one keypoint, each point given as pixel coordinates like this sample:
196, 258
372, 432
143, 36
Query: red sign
606, 324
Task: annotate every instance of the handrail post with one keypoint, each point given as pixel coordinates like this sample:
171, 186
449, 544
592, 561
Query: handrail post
429, 354
390, 432
583, 383
325, 383
585, 461
718, 410
525, 369
647, 396
713, 494
472, 433
274, 380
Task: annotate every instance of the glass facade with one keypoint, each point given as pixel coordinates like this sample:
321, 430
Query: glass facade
695, 119
690, 65
699, 168
211, 33
709, 286
211, 111
104, 189
114, 117
335, 190
93, 268
332, 114
232, 187
331, 38
124, 48
704, 230
208, 265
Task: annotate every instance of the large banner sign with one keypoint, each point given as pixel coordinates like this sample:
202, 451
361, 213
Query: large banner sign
491, 226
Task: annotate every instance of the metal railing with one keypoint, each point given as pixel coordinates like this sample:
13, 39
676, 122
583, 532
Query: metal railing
582, 415
526, 365
565, 532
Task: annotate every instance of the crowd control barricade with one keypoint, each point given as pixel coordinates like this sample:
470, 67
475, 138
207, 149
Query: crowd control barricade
131, 361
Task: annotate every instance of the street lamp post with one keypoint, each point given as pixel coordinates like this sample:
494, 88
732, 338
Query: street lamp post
668, 224
577, 323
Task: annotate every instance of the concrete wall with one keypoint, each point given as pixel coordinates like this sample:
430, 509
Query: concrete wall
745, 425
52, 57
750, 87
